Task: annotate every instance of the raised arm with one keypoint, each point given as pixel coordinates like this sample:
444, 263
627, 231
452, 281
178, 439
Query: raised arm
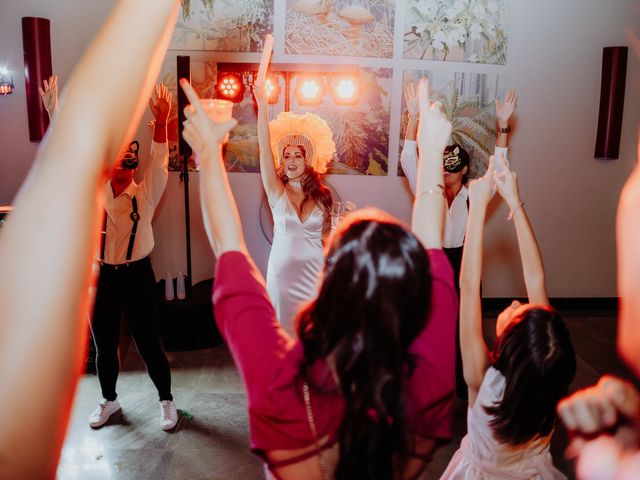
45, 257
160, 106
273, 186
504, 111
219, 209
409, 154
49, 95
532, 267
429, 205
475, 358
156, 172
628, 260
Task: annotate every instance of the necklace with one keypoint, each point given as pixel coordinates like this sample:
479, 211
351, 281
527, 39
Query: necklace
294, 184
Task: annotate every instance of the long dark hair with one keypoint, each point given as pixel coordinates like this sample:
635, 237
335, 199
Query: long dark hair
313, 187
373, 302
537, 359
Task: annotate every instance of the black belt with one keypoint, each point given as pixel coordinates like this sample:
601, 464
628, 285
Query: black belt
128, 265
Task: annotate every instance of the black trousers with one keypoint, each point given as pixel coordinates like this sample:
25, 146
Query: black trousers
131, 289
455, 258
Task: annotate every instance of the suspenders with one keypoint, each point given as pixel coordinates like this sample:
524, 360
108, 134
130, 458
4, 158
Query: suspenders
135, 217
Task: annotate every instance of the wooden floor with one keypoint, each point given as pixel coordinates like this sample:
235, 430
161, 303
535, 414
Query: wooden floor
211, 439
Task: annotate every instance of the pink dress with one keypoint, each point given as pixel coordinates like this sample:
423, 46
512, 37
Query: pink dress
482, 457
269, 360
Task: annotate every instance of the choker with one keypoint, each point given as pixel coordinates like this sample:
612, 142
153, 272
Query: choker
294, 184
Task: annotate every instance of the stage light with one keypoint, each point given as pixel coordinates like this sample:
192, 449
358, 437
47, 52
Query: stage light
272, 87
309, 91
230, 87
345, 91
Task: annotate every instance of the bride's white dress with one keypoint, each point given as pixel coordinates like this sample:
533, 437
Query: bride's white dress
295, 261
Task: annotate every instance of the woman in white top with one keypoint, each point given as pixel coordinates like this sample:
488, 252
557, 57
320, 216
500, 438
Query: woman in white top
514, 389
300, 203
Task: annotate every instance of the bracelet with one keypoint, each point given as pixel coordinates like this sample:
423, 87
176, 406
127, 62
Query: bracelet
439, 190
513, 211
506, 129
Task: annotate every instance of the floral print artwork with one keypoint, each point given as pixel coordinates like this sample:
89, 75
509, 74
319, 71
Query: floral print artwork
456, 30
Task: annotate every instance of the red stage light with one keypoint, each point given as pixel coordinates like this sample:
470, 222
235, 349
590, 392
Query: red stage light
230, 87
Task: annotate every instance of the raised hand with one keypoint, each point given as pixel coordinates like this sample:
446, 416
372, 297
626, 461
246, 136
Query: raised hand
49, 94
434, 129
482, 190
411, 99
160, 106
505, 109
506, 182
200, 131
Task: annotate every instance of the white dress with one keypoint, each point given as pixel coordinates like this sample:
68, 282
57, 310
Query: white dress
295, 261
482, 457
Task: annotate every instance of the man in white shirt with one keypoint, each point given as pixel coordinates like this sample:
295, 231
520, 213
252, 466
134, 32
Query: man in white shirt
127, 282
455, 163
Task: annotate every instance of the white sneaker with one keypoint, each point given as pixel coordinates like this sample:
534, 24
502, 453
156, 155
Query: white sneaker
168, 415
105, 409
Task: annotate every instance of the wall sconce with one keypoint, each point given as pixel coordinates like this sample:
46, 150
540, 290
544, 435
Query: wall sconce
6, 85
612, 86
36, 41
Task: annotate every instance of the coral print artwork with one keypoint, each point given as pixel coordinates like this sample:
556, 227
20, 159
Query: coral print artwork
456, 30
222, 25
358, 28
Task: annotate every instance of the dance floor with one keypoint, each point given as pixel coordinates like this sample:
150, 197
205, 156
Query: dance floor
211, 438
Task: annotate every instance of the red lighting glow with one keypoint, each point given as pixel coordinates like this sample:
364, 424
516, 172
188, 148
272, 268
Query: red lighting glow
230, 87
